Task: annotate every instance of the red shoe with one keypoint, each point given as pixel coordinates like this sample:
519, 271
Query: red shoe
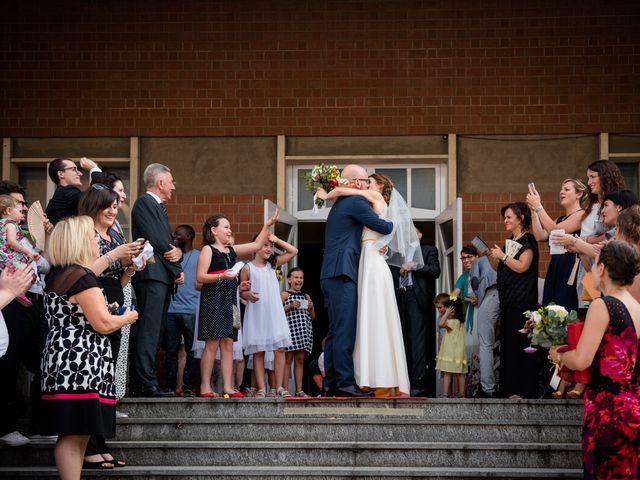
178, 392
208, 395
233, 395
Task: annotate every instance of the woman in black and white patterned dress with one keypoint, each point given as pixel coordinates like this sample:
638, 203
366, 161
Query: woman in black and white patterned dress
78, 389
300, 313
101, 203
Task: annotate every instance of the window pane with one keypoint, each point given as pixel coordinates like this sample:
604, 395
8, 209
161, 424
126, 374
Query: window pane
630, 173
423, 188
305, 198
399, 178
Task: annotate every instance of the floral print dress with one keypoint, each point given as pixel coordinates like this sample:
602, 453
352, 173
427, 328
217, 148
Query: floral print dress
611, 423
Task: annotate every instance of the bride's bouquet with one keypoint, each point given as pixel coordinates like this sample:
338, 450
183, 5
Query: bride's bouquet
325, 176
547, 326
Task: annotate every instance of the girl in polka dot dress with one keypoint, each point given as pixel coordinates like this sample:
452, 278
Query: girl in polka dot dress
300, 313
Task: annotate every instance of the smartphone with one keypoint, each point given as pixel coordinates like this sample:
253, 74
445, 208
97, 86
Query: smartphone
141, 240
532, 186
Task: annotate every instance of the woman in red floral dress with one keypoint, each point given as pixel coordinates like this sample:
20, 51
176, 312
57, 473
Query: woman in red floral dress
609, 343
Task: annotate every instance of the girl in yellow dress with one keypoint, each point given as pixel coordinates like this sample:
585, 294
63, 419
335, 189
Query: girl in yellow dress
452, 356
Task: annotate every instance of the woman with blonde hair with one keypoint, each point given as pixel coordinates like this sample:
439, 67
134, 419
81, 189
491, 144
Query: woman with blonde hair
78, 389
573, 197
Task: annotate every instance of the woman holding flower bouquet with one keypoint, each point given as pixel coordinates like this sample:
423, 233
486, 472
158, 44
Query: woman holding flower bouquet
518, 291
609, 344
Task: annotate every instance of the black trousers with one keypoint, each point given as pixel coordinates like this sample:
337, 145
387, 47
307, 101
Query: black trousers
418, 333
147, 333
25, 347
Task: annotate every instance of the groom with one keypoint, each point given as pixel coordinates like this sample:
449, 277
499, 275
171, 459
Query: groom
339, 281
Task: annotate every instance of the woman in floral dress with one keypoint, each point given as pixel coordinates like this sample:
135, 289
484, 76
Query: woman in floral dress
609, 344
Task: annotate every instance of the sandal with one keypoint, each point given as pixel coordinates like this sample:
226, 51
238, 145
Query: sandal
99, 465
260, 393
575, 393
282, 393
558, 395
272, 393
116, 463
301, 394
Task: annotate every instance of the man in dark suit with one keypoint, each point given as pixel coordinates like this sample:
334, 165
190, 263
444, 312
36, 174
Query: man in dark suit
415, 291
339, 281
154, 284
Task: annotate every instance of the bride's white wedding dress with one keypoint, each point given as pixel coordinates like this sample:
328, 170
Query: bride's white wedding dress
378, 357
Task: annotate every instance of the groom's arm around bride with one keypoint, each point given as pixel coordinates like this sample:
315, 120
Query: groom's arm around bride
339, 277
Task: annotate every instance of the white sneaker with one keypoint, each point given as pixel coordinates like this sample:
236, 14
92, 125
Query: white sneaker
120, 414
14, 439
43, 439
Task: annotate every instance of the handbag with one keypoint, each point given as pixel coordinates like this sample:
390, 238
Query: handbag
236, 317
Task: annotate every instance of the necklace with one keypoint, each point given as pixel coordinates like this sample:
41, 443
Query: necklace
575, 211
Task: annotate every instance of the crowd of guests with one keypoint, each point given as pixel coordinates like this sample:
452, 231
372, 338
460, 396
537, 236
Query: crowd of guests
108, 303
596, 239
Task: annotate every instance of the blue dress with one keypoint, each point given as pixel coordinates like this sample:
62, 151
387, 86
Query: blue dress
556, 289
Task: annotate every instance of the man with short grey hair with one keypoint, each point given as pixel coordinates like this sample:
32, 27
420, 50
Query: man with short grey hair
154, 284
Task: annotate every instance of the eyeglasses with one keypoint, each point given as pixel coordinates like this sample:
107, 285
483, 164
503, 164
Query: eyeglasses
464, 258
367, 180
74, 168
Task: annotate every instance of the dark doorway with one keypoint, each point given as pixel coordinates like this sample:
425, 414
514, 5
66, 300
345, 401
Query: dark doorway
311, 250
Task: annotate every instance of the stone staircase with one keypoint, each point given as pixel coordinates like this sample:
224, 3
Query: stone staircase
332, 439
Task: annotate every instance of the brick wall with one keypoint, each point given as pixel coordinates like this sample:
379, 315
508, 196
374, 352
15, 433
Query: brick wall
245, 213
481, 216
338, 67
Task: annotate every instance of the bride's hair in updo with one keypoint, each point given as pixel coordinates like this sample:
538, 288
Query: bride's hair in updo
621, 260
387, 185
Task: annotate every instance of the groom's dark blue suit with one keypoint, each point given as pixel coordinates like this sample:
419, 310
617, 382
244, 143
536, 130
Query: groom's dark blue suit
339, 282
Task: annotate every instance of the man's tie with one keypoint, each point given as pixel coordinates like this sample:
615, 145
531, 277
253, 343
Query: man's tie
164, 209
404, 281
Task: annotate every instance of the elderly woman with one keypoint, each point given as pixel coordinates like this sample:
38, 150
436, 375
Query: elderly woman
609, 344
518, 291
78, 389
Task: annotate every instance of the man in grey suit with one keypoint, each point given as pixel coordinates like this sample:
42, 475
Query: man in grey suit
154, 284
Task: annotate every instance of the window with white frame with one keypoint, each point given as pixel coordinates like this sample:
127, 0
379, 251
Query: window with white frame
422, 185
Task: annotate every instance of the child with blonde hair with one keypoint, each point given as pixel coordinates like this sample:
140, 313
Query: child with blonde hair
265, 324
452, 356
12, 253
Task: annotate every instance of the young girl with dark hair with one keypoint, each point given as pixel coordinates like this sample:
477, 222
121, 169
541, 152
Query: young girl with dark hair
219, 297
300, 313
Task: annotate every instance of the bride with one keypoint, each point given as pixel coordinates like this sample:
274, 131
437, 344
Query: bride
378, 357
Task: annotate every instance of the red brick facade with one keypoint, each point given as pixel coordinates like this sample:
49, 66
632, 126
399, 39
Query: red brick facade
245, 212
348, 67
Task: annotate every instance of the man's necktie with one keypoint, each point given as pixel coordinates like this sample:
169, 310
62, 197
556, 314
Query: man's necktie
164, 209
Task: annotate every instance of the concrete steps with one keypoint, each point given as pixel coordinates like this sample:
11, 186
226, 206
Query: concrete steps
326, 439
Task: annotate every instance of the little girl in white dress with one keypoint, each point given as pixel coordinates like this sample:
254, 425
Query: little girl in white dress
265, 324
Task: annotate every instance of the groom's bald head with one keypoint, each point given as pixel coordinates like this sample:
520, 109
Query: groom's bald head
355, 173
